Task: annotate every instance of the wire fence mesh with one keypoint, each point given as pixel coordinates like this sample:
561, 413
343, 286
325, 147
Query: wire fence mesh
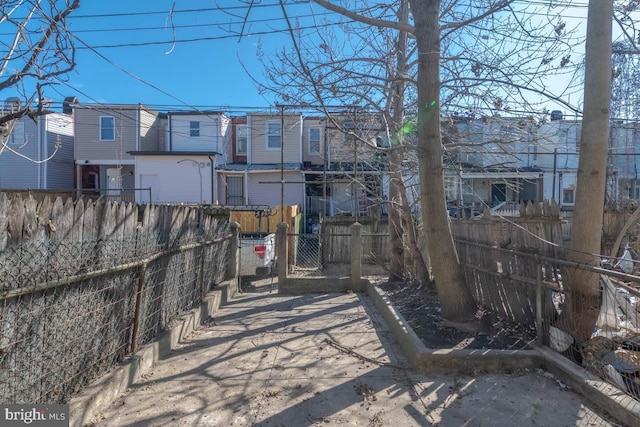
533, 291
306, 255
71, 310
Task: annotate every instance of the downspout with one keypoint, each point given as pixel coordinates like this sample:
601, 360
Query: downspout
138, 127
40, 142
170, 133
45, 148
249, 141
214, 188
246, 186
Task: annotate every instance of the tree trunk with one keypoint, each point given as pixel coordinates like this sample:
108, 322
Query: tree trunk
584, 296
455, 298
395, 155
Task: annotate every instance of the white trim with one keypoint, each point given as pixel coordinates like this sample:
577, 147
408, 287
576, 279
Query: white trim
267, 134
100, 128
105, 162
249, 142
246, 136
314, 153
500, 175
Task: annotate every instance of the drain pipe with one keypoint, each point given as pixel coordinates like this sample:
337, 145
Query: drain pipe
214, 188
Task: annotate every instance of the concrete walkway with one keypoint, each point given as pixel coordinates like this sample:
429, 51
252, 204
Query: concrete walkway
330, 360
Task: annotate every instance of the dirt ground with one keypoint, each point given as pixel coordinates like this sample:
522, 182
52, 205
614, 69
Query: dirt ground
270, 360
421, 309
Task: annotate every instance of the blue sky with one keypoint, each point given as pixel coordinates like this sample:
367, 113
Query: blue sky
136, 37
199, 73
205, 73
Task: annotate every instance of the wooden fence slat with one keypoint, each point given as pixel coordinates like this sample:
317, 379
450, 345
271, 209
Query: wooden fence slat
16, 219
4, 220
44, 212
77, 228
30, 224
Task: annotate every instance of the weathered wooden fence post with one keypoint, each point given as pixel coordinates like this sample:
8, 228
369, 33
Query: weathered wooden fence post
356, 253
234, 251
539, 325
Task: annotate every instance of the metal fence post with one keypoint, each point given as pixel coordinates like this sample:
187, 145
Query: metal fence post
234, 251
138, 308
281, 251
539, 320
200, 278
356, 253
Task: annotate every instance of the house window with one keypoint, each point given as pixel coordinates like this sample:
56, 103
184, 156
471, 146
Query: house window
314, 141
17, 134
241, 140
568, 196
194, 128
107, 128
274, 136
235, 190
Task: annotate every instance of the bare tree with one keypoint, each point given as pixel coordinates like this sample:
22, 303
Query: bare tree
37, 52
492, 60
586, 233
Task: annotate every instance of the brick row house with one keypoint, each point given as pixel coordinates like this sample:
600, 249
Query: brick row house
328, 165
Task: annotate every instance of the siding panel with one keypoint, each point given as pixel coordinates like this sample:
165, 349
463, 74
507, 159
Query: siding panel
261, 193
292, 139
188, 181
87, 133
15, 171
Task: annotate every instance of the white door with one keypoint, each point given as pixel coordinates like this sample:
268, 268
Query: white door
114, 183
149, 183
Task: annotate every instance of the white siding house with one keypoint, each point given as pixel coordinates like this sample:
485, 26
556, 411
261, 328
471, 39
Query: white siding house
206, 131
180, 177
183, 169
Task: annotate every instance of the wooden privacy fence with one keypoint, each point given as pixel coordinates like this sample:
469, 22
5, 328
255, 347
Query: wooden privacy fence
336, 249
25, 218
252, 220
81, 293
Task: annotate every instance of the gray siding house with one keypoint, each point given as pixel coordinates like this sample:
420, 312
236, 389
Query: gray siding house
105, 135
38, 154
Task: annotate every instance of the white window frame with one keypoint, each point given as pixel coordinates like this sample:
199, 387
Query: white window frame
104, 128
565, 199
319, 140
245, 128
194, 128
272, 134
17, 136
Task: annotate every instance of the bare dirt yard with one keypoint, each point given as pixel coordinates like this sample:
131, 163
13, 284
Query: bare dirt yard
421, 309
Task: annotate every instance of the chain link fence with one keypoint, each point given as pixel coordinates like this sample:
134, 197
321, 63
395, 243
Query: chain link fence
306, 255
531, 290
70, 311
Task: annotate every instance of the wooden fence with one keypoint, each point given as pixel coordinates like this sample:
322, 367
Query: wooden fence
336, 247
25, 218
252, 221
84, 284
